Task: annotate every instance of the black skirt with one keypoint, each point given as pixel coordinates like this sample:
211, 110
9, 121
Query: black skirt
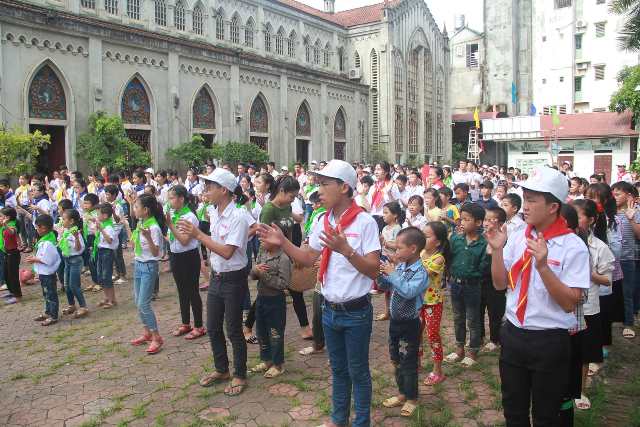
606, 302
617, 305
591, 340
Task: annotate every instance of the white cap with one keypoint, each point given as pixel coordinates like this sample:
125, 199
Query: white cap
339, 169
446, 166
314, 162
149, 170
285, 168
547, 180
222, 177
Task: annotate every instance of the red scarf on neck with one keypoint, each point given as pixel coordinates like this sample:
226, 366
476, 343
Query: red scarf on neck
378, 193
523, 265
346, 219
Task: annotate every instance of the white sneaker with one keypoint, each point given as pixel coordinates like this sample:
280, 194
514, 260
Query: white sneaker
468, 362
114, 277
120, 281
490, 347
3, 288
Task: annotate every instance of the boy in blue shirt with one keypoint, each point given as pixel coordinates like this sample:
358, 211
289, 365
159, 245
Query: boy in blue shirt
407, 282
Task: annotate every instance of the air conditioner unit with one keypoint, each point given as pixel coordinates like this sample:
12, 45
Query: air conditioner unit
355, 74
582, 66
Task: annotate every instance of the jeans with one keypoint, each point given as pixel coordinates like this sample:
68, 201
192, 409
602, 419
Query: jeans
271, 318
88, 260
26, 230
630, 288
104, 267
118, 260
224, 307
72, 271
50, 294
347, 335
60, 271
465, 301
144, 276
404, 342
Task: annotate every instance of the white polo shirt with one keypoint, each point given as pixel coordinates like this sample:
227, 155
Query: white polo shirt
229, 228
194, 188
568, 258
156, 236
602, 260
389, 195
342, 281
113, 234
72, 245
515, 225
175, 246
48, 254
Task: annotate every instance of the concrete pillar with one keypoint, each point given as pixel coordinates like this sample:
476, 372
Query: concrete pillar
236, 127
95, 74
326, 152
177, 102
285, 123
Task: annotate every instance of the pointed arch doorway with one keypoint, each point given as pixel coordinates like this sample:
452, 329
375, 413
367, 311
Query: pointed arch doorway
303, 134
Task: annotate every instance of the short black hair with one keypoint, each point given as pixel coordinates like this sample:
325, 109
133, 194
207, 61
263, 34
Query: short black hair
366, 180
402, 178
413, 236
65, 204
106, 208
462, 186
624, 186
499, 212
514, 199
45, 220
92, 198
474, 210
314, 197
111, 189
4, 182
9, 212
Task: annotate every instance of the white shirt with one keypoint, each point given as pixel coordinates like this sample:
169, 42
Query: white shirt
194, 188
45, 206
126, 187
602, 260
404, 197
515, 225
48, 254
568, 258
342, 281
72, 245
111, 232
10, 202
88, 219
296, 206
389, 195
229, 228
419, 221
302, 180
175, 246
418, 190
156, 237
460, 177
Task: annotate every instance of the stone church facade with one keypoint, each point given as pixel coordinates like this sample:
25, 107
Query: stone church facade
302, 83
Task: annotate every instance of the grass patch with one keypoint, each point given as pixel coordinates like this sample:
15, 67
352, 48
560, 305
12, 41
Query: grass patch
105, 413
18, 376
61, 336
140, 410
161, 420
323, 403
208, 393
472, 413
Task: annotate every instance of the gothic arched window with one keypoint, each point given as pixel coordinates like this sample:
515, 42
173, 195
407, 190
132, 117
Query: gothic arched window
259, 124
46, 96
204, 112
303, 121
248, 33
198, 20
340, 136
178, 16
220, 24
267, 38
161, 13
291, 44
135, 108
235, 29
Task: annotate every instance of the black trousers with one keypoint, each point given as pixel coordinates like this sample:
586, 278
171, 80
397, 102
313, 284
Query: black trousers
493, 302
316, 322
533, 371
11, 273
185, 267
299, 306
404, 342
224, 307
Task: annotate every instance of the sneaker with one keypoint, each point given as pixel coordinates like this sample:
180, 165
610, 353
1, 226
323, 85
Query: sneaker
11, 300
490, 347
113, 278
120, 281
3, 288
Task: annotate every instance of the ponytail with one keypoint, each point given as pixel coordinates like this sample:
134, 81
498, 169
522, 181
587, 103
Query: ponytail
240, 197
148, 201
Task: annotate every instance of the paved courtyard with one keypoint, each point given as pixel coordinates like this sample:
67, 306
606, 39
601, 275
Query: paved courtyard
85, 373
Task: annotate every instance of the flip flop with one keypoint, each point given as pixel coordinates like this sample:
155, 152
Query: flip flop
252, 339
382, 317
393, 402
273, 372
583, 403
408, 409
593, 369
234, 389
308, 351
433, 379
261, 367
453, 358
212, 378
628, 333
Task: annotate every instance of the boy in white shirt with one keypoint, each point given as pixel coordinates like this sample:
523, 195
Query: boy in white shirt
45, 264
512, 203
104, 246
545, 269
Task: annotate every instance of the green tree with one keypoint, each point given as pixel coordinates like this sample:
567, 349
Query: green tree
19, 150
190, 153
627, 97
630, 33
238, 152
107, 144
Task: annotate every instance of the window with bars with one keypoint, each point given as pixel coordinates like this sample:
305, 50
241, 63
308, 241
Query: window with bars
161, 13
472, 55
600, 29
267, 39
307, 51
399, 129
248, 33
133, 9
428, 132
111, 6
234, 29
548, 109
88, 4
356, 60
280, 42
326, 56
599, 71
316, 53
578, 39
412, 100
375, 107
220, 26
398, 76
198, 20
559, 4
291, 45
577, 84
363, 143
439, 149
341, 64
178, 16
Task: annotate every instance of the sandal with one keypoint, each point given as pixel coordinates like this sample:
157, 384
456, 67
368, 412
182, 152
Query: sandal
308, 351
252, 339
628, 333
393, 402
433, 379
155, 346
141, 340
196, 333
468, 362
41, 318
212, 378
181, 330
69, 310
408, 409
583, 403
234, 389
382, 317
593, 369
274, 372
49, 321
108, 305
261, 367
81, 312
453, 358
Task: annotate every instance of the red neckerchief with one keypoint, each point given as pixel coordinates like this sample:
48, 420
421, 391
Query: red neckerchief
346, 219
378, 193
523, 265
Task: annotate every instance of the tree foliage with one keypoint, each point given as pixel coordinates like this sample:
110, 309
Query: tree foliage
629, 38
107, 144
627, 97
19, 150
192, 153
238, 152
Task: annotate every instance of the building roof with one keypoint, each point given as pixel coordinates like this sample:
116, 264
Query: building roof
468, 117
346, 18
591, 125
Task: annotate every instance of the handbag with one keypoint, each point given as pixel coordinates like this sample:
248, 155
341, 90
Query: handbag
303, 278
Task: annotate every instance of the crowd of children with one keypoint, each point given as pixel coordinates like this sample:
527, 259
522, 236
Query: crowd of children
551, 262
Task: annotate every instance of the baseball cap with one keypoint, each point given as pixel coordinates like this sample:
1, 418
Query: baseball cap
339, 169
547, 180
314, 162
285, 168
149, 170
222, 177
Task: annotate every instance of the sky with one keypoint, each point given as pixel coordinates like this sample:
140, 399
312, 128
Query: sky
444, 11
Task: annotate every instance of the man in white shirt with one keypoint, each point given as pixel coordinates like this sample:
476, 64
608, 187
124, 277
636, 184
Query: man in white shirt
460, 176
414, 185
348, 240
622, 175
545, 269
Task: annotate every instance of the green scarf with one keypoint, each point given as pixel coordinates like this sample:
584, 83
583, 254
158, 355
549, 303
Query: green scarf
312, 218
63, 243
174, 219
135, 236
10, 224
96, 241
49, 237
202, 211
85, 224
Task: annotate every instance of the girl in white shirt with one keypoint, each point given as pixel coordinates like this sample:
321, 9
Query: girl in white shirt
185, 263
415, 213
71, 245
383, 192
147, 239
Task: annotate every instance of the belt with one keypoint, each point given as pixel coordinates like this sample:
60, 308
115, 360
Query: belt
464, 281
229, 274
354, 304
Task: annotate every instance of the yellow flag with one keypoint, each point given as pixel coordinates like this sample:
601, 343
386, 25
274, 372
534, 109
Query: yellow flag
476, 118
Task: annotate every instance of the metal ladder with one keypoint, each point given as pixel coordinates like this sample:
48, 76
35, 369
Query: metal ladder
473, 152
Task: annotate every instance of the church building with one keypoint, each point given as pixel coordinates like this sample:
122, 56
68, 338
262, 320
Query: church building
300, 82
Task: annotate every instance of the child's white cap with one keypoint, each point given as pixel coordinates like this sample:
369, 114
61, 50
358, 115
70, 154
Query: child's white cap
339, 169
547, 180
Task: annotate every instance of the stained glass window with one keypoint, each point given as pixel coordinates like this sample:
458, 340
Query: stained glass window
204, 114
46, 96
259, 119
339, 126
135, 104
303, 121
